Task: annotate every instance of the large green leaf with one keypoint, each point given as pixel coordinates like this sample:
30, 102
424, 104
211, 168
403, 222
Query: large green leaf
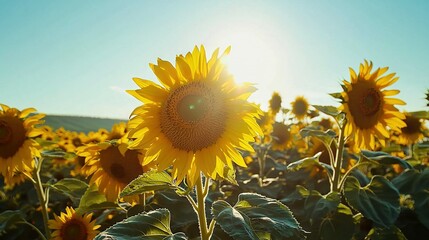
329, 110
339, 225
421, 206
318, 206
150, 181
378, 201
384, 158
94, 200
412, 181
234, 223
256, 215
9, 219
324, 136
71, 187
417, 185
152, 225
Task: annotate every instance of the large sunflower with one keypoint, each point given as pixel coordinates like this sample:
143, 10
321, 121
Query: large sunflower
17, 148
196, 120
111, 166
73, 226
300, 107
368, 108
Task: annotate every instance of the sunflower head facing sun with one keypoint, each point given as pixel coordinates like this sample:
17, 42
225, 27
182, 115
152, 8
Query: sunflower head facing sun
275, 103
17, 148
73, 226
300, 107
111, 166
412, 132
368, 106
196, 119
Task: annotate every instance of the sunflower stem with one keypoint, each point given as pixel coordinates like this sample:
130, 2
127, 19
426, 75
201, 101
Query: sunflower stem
42, 198
335, 186
205, 232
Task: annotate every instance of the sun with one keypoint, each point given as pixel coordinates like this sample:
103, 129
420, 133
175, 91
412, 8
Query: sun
254, 58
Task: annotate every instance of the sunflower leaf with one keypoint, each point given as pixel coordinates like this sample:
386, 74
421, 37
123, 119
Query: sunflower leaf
336, 95
378, 201
420, 114
328, 110
151, 225
254, 216
384, 158
150, 181
71, 187
9, 219
94, 200
325, 136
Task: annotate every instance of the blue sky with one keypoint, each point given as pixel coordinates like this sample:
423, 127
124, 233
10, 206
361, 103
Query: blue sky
79, 57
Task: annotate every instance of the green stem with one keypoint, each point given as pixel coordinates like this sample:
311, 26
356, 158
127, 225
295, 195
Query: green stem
349, 171
42, 198
201, 210
35, 229
335, 186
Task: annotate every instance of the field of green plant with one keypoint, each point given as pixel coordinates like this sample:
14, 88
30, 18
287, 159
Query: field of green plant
197, 160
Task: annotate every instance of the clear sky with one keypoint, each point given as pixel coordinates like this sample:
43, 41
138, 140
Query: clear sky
78, 57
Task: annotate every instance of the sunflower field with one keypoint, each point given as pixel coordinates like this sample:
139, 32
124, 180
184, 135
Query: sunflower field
197, 160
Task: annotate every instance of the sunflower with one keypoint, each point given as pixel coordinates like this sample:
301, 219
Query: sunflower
266, 123
281, 136
73, 226
300, 107
111, 166
196, 120
412, 132
275, 103
118, 131
368, 107
17, 148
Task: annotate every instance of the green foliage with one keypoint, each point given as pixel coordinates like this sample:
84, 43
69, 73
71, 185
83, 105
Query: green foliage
94, 200
383, 158
10, 219
328, 110
150, 181
152, 225
378, 201
416, 184
71, 187
325, 136
255, 216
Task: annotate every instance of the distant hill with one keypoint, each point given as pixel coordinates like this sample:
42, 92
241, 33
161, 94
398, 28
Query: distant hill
80, 124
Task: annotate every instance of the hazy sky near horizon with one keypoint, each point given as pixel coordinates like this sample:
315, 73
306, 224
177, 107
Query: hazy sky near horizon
78, 57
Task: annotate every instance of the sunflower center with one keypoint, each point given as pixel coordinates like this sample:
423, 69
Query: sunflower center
413, 125
192, 108
371, 102
12, 136
77, 142
194, 116
124, 169
5, 132
300, 108
117, 170
74, 230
